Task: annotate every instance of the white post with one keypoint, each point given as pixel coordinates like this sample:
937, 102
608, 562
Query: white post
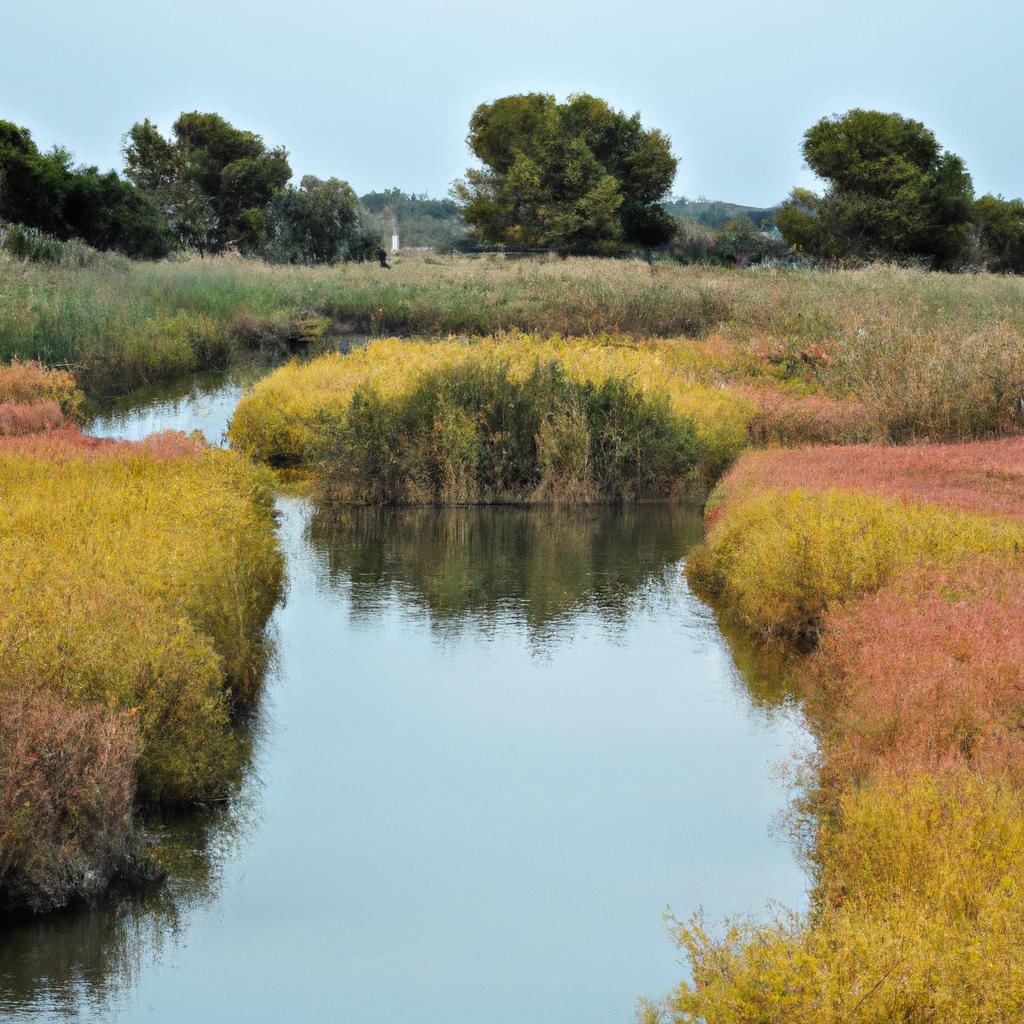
394, 243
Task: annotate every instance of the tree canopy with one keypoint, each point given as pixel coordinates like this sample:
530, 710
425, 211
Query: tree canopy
213, 181
46, 191
1000, 227
575, 176
312, 223
893, 192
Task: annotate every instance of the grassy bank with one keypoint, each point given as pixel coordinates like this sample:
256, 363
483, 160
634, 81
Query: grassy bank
527, 418
956, 339
904, 568
135, 582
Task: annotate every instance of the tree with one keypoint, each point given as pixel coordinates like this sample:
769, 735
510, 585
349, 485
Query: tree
892, 192
1000, 228
45, 191
576, 176
313, 223
213, 181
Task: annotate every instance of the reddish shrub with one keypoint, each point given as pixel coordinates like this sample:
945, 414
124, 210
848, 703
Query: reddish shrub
27, 383
68, 441
66, 790
924, 675
978, 476
17, 418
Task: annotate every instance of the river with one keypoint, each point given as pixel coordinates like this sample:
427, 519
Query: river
494, 746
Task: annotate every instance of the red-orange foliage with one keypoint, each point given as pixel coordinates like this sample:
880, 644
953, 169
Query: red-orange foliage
27, 418
784, 418
924, 675
66, 789
68, 441
31, 382
979, 476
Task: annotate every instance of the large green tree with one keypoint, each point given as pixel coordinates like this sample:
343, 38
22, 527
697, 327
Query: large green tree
575, 176
213, 181
893, 192
46, 191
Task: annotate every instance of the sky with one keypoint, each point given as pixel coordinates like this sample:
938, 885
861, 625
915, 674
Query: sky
380, 94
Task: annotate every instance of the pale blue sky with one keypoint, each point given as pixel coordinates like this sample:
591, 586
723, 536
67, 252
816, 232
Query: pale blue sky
381, 93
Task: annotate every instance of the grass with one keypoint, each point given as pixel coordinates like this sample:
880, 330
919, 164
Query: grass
928, 355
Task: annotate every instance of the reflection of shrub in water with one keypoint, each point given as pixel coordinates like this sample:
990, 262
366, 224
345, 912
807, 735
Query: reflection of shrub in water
58, 963
473, 566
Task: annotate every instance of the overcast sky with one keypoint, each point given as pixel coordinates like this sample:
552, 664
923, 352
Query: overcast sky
381, 93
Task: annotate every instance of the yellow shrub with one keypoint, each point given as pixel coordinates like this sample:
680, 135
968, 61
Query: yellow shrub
779, 559
279, 419
143, 584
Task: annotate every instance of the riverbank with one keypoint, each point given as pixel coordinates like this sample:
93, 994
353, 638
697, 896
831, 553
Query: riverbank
135, 583
900, 568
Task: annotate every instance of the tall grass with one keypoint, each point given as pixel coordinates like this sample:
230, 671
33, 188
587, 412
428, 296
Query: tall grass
911, 577
929, 355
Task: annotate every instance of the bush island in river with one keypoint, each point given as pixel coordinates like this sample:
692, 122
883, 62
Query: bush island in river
135, 582
525, 418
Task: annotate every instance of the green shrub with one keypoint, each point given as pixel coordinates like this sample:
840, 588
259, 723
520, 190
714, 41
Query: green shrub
480, 431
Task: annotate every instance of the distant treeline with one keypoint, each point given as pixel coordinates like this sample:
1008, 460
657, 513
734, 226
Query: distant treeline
577, 177
418, 220
713, 213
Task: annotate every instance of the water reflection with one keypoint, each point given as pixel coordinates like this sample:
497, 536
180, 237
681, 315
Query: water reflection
85, 960
489, 569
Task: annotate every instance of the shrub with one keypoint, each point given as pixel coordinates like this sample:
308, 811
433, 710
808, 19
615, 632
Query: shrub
779, 559
140, 578
66, 787
30, 383
482, 431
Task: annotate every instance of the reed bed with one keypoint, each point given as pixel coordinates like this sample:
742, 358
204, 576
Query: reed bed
929, 355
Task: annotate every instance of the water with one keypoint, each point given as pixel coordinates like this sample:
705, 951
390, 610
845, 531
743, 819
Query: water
495, 745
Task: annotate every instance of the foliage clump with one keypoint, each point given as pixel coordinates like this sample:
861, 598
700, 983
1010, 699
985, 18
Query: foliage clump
66, 790
576, 176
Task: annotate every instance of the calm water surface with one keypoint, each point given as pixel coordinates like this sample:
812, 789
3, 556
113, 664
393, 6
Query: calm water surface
494, 747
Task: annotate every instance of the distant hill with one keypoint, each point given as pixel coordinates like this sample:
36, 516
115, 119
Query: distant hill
713, 213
